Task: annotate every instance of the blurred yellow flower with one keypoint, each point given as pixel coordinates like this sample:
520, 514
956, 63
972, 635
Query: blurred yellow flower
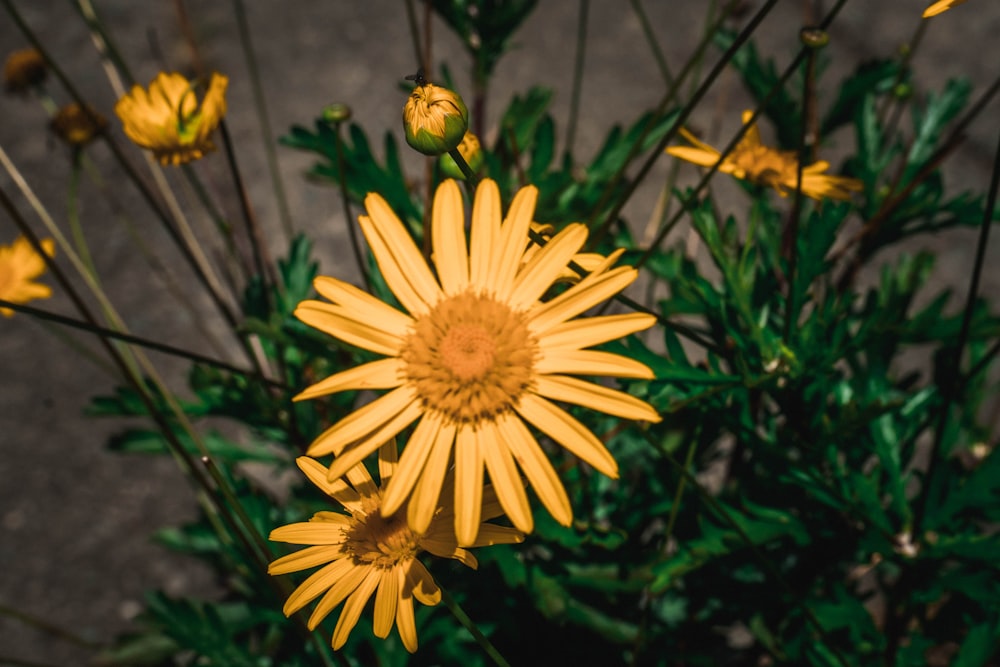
434, 119
20, 265
752, 161
941, 6
477, 355
23, 69
364, 553
168, 119
76, 126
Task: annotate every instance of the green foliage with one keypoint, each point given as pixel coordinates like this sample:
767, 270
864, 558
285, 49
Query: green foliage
798, 503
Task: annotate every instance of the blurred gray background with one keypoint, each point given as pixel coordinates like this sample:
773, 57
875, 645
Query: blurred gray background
75, 520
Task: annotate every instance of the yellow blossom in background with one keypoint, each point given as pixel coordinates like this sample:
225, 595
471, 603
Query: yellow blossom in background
23, 69
752, 161
434, 119
470, 151
168, 118
475, 357
941, 6
364, 553
20, 265
77, 126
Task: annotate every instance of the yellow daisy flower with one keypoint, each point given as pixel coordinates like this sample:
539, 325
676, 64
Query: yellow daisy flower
941, 6
364, 553
752, 161
19, 266
476, 355
168, 118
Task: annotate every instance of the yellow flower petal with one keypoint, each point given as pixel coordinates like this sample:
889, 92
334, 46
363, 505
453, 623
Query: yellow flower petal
381, 374
588, 394
448, 232
485, 234
355, 604
505, 478
568, 432
341, 323
468, 485
592, 362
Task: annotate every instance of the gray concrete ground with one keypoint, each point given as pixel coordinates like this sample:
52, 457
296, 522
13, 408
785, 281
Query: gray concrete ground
75, 519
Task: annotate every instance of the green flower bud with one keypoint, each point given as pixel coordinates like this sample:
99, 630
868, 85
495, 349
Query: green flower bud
336, 113
468, 149
435, 119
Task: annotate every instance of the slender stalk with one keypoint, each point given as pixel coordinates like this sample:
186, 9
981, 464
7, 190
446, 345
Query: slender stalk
657, 115
99, 330
654, 46
352, 228
260, 104
411, 21
685, 112
470, 176
179, 233
46, 627
262, 263
473, 629
806, 141
574, 104
786, 75
73, 215
951, 386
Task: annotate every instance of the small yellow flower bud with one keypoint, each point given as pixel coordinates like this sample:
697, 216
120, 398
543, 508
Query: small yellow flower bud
76, 126
435, 119
22, 70
468, 149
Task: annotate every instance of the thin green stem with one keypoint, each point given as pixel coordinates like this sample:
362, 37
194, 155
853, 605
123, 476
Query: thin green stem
806, 140
470, 176
262, 263
352, 228
411, 22
654, 46
655, 118
581, 50
260, 104
779, 84
73, 216
192, 255
104, 332
46, 627
473, 629
951, 385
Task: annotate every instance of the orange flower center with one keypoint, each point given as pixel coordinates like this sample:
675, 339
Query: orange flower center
767, 166
470, 358
381, 541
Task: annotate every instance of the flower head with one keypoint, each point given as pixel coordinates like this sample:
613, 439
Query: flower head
476, 355
941, 6
434, 119
168, 119
752, 161
20, 265
78, 126
470, 151
23, 69
365, 553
